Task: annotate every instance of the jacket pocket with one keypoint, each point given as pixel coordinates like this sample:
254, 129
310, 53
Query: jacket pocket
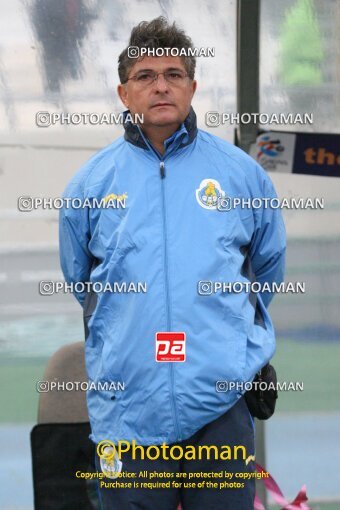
241, 326
90, 304
93, 329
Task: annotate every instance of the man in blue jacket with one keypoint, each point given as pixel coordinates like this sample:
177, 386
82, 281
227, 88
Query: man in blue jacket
171, 227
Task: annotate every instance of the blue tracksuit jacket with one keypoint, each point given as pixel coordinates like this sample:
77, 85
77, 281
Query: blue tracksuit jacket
170, 235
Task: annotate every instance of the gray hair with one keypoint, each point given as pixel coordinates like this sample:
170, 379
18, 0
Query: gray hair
156, 34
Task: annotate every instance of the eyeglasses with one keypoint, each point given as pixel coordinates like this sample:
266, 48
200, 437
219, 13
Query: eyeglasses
175, 77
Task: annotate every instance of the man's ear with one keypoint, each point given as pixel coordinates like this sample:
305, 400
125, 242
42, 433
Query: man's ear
122, 92
194, 86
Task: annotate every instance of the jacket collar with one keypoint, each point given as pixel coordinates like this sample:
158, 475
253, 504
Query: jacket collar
185, 134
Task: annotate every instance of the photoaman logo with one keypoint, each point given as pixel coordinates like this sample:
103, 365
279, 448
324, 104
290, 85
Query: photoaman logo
170, 346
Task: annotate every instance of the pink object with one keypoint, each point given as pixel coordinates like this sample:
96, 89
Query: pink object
276, 493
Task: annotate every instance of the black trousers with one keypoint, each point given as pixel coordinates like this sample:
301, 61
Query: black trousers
235, 427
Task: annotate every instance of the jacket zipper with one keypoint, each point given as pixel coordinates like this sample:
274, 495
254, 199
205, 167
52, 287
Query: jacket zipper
167, 298
168, 315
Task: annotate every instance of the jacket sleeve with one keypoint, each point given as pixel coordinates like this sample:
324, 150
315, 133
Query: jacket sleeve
74, 236
268, 245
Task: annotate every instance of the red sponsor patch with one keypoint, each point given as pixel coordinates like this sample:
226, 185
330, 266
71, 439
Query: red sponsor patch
170, 346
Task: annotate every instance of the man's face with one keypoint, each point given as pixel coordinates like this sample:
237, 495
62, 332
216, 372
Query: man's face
162, 103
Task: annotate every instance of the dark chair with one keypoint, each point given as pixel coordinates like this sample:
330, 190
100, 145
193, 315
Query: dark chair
60, 441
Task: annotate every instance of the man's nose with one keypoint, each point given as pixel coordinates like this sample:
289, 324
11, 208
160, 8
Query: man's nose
160, 83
